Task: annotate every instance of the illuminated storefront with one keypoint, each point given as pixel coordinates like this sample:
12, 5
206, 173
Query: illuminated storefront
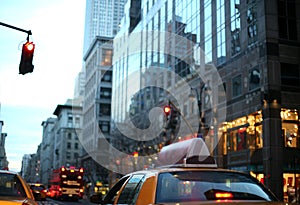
243, 144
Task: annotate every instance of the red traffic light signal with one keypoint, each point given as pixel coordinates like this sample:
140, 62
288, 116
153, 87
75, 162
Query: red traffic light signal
26, 58
167, 110
135, 154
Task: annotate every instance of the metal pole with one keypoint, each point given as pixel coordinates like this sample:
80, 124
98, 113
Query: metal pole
199, 103
16, 28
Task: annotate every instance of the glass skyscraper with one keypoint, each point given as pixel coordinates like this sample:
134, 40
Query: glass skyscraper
102, 19
251, 113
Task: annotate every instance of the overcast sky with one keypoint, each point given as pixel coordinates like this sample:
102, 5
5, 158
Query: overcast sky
27, 100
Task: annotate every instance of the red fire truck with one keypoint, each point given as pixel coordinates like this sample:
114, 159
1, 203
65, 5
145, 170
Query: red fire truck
66, 183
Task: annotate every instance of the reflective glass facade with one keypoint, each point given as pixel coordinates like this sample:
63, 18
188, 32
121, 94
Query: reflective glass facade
259, 77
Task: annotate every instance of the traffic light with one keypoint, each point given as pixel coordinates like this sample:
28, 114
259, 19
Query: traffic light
135, 154
172, 115
174, 118
26, 58
167, 110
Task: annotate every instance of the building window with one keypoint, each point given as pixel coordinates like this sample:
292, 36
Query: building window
222, 93
105, 109
107, 76
208, 31
290, 74
76, 145
290, 126
104, 126
76, 155
221, 37
68, 145
70, 118
68, 155
237, 86
287, 23
254, 78
69, 136
106, 57
235, 26
77, 122
244, 133
252, 21
105, 93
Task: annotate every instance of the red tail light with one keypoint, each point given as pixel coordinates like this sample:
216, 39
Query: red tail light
223, 195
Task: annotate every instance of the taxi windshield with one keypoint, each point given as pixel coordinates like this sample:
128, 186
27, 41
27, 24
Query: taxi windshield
206, 185
10, 186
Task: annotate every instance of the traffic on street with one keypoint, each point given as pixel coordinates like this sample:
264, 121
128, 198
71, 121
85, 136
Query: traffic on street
149, 102
55, 202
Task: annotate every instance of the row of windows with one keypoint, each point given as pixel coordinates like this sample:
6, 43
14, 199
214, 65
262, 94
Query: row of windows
70, 136
69, 155
75, 146
187, 22
290, 76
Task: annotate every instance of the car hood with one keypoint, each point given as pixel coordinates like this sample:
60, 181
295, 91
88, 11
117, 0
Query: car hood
236, 202
12, 202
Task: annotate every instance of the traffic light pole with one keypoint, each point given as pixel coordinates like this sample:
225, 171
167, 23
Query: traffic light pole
199, 103
16, 28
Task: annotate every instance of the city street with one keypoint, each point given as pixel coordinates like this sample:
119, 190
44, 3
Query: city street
55, 202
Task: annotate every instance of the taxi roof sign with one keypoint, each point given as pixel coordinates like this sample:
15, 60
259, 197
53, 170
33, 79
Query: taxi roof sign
193, 151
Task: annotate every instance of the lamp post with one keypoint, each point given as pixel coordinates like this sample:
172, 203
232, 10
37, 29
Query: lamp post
201, 127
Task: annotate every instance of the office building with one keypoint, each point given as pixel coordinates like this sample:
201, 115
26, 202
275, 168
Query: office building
102, 18
102, 22
66, 134
97, 106
250, 115
47, 150
3, 158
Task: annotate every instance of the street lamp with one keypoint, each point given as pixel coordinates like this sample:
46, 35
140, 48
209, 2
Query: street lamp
199, 97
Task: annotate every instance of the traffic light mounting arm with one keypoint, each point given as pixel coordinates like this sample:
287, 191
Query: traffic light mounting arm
16, 28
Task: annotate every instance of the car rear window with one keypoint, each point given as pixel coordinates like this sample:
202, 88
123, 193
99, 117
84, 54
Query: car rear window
38, 188
11, 186
208, 185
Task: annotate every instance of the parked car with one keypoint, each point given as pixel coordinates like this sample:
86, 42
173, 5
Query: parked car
14, 189
39, 191
194, 179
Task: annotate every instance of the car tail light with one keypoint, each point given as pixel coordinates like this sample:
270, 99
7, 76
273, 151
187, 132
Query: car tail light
223, 195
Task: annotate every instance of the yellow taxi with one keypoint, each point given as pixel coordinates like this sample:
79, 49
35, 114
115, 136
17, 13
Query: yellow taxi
39, 191
193, 179
14, 189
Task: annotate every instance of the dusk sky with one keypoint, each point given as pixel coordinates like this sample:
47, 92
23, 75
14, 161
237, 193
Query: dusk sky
27, 100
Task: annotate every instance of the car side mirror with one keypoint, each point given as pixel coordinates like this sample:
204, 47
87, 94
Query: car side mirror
96, 199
